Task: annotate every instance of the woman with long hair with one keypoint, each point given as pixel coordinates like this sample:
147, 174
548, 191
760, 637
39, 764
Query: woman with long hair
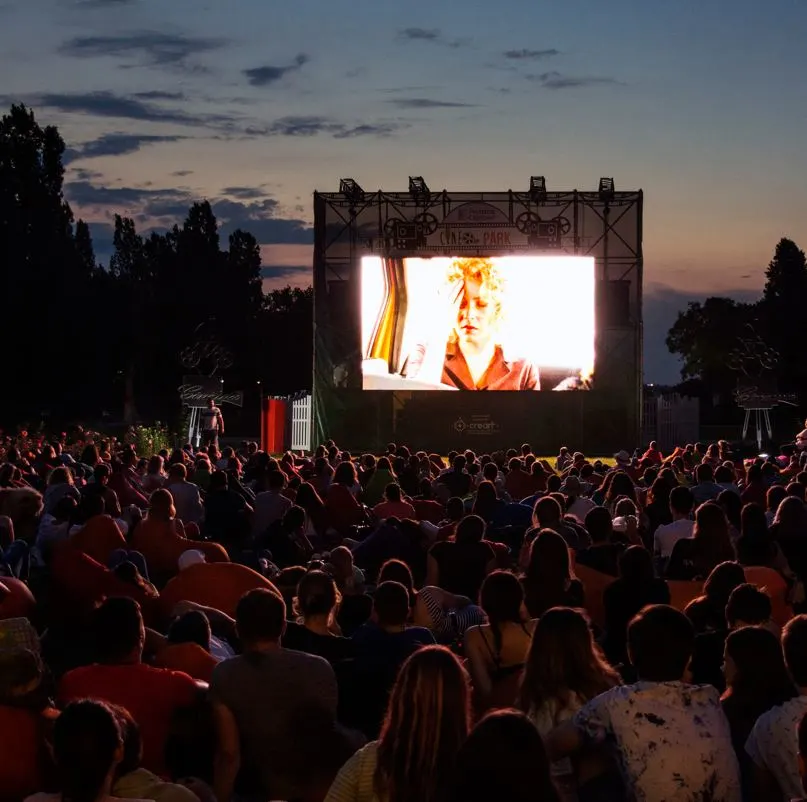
381, 476
756, 680
756, 546
621, 487
503, 758
60, 485
496, 650
708, 611
789, 528
636, 587
316, 631
427, 722
487, 504
87, 748
316, 517
155, 474
549, 581
731, 505
342, 506
565, 669
710, 545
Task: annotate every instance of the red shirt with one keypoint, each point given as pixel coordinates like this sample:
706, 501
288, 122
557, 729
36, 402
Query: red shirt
395, 509
151, 695
22, 746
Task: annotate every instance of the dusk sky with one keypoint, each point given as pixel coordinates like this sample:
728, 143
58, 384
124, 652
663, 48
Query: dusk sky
254, 104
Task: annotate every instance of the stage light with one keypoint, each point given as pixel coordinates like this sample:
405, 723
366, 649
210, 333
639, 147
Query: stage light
607, 190
418, 188
351, 190
538, 188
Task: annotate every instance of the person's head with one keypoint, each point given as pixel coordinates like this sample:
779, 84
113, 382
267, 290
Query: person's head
392, 492
87, 748
599, 524
211, 402
345, 474
724, 475
342, 561
704, 473
470, 529
60, 476
754, 473
276, 481
426, 723
753, 664
317, 596
191, 627
260, 618
178, 472
794, 646
162, 505
503, 758
65, 509
660, 643
307, 497
711, 533
546, 513
384, 465
455, 509
563, 658
681, 502
791, 518
391, 605
398, 571
797, 490
218, 481
548, 572
755, 545
748, 606
486, 499
572, 487
479, 287
636, 567
155, 464
119, 631
723, 579
502, 598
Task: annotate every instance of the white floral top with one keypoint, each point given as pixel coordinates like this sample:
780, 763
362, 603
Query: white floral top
672, 739
773, 745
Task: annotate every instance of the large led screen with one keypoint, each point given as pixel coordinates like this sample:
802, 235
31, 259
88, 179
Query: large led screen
478, 323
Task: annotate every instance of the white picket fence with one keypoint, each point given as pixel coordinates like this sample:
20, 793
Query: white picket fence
301, 423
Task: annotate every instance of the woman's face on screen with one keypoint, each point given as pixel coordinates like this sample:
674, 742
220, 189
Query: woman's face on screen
477, 313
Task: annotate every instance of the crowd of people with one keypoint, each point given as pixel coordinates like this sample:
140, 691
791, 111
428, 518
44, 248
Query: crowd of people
210, 625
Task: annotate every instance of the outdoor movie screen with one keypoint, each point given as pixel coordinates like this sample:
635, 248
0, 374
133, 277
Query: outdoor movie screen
478, 323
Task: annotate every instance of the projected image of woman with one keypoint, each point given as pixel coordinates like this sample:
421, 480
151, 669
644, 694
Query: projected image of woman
463, 348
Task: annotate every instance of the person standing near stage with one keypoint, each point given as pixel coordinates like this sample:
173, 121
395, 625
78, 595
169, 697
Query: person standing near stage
212, 424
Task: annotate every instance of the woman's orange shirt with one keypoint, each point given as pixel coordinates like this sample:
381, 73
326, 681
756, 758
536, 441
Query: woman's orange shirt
162, 547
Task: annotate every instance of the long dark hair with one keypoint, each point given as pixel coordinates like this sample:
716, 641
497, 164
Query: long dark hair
486, 501
86, 743
503, 758
762, 680
548, 573
427, 722
755, 546
501, 598
563, 659
711, 536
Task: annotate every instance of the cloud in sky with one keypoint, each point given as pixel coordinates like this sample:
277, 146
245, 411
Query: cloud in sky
530, 55
115, 144
276, 277
430, 35
268, 75
148, 47
104, 3
428, 103
558, 80
308, 126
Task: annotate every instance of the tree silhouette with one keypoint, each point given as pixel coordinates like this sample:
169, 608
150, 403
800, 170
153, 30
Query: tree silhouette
87, 338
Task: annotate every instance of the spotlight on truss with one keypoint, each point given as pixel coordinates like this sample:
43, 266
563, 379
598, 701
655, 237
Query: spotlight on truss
538, 188
607, 190
351, 190
418, 188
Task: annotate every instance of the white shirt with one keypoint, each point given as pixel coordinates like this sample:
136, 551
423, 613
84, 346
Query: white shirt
581, 507
188, 502
672, 739
773, 745
667, 536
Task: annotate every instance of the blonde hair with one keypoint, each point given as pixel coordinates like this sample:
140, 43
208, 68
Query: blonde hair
483, 272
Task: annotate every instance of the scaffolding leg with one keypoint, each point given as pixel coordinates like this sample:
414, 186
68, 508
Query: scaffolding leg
746, 422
